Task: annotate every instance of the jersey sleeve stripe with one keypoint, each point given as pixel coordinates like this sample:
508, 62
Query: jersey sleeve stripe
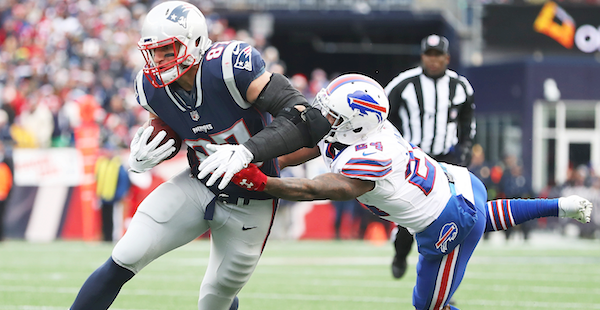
229, 78
369, 162
366, 173
141, 95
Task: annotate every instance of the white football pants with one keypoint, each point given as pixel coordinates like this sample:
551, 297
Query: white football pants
173, 215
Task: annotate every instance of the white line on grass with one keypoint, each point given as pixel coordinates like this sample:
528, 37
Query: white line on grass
310, 297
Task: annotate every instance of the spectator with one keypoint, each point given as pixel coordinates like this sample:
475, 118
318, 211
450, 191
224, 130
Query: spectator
6, 182
112, 184
513, 184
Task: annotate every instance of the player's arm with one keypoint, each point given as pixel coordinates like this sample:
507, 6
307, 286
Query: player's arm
333, 186
298, 157
466, 124
296, 123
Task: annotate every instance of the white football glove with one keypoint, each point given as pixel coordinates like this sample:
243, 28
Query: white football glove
227, 160
144, 154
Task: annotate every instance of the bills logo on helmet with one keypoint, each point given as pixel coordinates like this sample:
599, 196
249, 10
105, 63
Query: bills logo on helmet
447, 234
364, 103
244, 59
179, 15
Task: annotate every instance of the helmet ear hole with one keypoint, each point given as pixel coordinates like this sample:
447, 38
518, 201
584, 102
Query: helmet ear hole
198, 41
357, 130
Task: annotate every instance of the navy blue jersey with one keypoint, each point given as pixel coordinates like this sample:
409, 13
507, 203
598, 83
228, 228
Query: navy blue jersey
216, 110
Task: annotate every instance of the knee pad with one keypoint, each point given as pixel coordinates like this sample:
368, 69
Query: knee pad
235, 270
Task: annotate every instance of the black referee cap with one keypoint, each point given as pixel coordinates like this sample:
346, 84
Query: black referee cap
434, 42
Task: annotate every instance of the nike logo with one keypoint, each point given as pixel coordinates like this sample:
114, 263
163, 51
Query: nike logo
367, 154
248, 228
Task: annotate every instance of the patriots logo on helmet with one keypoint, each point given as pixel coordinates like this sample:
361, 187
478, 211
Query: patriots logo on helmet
179, 15
447, 234
364, 103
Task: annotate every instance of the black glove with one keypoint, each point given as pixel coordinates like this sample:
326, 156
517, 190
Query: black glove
464, 153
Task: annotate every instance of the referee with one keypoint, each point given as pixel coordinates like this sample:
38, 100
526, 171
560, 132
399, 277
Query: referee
432, 107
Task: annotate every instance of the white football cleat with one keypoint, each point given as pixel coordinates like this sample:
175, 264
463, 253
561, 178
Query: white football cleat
575, 207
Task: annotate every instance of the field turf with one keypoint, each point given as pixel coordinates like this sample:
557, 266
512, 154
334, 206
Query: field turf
547, 272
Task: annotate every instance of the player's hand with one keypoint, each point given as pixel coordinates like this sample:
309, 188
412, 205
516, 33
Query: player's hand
226, 161
250, 178
144, 154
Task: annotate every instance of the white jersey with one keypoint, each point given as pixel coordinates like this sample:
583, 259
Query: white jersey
411, 189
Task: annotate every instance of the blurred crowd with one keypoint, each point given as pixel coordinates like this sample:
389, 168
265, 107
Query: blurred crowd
54, 52
506, 180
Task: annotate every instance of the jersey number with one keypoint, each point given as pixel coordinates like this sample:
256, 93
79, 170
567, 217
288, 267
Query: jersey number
424, 174
216, 50
236, 134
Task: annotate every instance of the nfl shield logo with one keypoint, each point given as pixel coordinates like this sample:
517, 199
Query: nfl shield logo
195, 115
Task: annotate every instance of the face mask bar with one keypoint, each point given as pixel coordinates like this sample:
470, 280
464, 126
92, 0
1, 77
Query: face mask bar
340, 123
167, 72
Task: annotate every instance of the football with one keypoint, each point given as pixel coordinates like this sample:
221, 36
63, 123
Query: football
159, 125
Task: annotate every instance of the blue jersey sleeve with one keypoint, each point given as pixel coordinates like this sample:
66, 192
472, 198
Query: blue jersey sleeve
247, 66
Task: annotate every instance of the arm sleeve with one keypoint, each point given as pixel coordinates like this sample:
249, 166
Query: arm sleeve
279, 94
466, 120
290, 130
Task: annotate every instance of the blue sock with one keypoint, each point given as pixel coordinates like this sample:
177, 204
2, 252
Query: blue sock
505, 213
234, 304
101, 287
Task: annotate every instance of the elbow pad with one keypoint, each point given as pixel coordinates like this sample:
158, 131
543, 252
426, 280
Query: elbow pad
290, 131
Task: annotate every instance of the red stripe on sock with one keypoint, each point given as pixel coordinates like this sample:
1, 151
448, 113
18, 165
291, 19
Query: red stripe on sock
507, 214
497, 214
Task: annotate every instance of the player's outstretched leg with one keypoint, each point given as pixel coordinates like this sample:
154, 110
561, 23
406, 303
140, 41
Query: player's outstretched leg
505, 213
402, 245
101, 287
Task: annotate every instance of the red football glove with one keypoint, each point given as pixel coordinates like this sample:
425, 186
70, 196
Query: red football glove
250, 178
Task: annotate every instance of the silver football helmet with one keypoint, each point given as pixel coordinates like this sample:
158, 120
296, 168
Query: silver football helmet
180, 25
357, 104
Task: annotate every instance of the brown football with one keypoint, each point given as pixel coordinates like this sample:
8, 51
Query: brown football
159, 125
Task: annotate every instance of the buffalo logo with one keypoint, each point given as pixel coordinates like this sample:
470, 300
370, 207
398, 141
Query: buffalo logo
364, 103
447, 234
244, 59
179, 15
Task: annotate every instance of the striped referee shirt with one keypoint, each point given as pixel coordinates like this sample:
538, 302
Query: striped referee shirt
434, 114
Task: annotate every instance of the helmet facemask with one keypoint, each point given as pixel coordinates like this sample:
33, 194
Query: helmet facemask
355, 108
168, 71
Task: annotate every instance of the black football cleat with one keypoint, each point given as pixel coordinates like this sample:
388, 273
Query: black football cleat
398, 267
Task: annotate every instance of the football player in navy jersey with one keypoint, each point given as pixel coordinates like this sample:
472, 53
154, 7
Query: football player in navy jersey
209, 93
443, 205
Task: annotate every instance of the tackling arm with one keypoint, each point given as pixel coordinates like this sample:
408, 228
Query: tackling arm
332, 186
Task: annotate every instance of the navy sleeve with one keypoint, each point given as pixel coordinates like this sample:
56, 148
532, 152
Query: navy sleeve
247, 66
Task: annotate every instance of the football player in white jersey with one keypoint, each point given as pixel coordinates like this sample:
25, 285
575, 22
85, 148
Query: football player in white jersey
208, 93
443, 205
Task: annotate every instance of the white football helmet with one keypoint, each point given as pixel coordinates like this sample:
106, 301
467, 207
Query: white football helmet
173, 23
357, 104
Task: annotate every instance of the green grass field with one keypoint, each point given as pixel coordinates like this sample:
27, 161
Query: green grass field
549, 272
